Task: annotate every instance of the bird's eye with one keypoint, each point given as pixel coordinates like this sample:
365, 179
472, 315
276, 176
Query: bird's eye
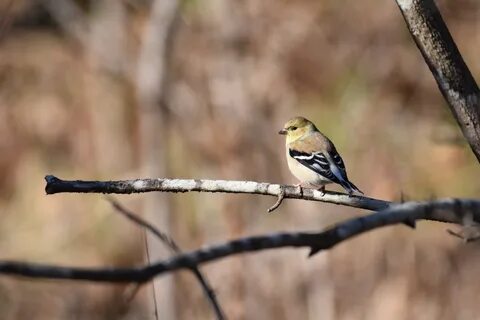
293, 128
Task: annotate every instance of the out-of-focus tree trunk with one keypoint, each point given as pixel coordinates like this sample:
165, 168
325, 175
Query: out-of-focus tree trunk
152, 79
103, 37
107, 56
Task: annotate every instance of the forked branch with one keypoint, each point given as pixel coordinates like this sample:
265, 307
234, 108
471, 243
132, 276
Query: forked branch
446, 210
172, 245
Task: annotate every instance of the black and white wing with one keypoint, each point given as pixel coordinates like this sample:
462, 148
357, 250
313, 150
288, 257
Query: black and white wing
329, 165
317, 162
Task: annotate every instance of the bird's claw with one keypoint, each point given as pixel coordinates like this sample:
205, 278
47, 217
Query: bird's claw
300, 188
322, 190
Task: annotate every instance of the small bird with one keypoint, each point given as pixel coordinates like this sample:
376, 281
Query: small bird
312, 157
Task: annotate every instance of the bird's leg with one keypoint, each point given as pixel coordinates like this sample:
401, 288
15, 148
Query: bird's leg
301, 185
322, 190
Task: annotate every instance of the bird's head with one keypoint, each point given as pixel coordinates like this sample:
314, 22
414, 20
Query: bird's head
296, 128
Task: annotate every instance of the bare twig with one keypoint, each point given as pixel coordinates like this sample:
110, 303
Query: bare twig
131, 292
464, 236
446, 210
442, 56
154, 292
281, 196
171, 244
55, 185
470, 230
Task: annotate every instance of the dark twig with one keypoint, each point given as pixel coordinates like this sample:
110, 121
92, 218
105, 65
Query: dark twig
463, 236
154, 292
442, 56
171, 244
131, 292
446, 210
467, 234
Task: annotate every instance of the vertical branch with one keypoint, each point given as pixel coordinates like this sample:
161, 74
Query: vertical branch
442, 56
106, 57
152, 79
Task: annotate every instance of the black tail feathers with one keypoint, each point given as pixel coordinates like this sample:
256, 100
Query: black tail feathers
350, 187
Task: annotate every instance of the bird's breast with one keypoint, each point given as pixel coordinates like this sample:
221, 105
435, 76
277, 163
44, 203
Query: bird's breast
303, 173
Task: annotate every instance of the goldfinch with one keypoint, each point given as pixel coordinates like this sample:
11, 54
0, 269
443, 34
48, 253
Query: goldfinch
312, 157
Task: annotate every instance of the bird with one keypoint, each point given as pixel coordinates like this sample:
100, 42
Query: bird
312, 157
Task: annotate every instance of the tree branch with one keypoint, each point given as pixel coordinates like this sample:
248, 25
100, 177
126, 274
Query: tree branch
172, 245
164, 238
442, 56
445, 210
56, 185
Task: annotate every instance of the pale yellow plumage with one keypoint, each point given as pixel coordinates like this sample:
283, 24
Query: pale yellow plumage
312, 157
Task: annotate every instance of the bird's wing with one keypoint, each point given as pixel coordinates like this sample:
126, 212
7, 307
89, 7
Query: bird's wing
317, 162
338, 167
318, 153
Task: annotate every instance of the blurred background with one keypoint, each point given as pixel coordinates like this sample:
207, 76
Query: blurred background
119, 89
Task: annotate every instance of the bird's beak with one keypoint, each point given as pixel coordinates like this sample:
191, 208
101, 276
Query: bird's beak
283, 131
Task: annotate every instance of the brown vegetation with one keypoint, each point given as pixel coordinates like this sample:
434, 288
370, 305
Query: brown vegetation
68, 106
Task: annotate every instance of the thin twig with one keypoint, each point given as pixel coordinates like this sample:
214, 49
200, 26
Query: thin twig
446, 210
465, 236
131, 292
281, 196
175, 249
169, 242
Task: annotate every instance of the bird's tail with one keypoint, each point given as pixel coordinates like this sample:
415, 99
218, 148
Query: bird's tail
350, 187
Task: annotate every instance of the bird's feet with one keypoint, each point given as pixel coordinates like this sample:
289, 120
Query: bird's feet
308, 185
300, 187
322, 190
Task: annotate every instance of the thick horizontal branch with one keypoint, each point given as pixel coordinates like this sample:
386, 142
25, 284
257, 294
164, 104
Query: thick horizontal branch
55, 185
447, 210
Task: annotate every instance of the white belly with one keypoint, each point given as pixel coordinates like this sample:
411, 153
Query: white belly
304, 174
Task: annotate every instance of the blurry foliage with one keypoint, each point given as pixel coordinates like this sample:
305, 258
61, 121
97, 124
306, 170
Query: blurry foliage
239, 70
